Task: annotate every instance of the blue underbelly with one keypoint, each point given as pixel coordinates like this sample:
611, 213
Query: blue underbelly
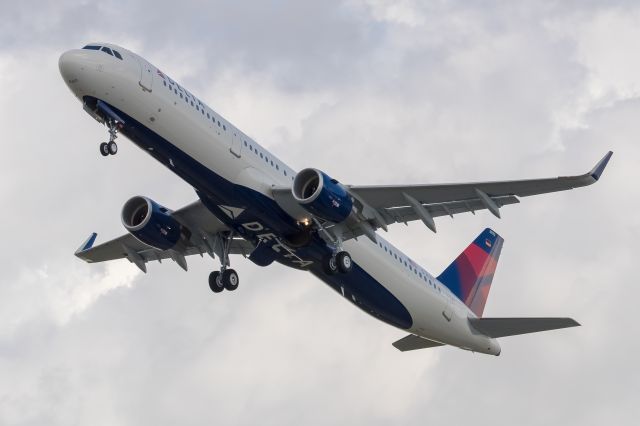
260, 220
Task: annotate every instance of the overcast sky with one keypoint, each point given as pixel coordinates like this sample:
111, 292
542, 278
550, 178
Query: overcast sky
371, 91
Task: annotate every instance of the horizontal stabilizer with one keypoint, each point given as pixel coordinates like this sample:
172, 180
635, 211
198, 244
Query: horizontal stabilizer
501, 327
413, 342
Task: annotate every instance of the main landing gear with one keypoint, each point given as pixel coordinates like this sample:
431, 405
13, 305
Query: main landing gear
110, 148
341, 262
226, 278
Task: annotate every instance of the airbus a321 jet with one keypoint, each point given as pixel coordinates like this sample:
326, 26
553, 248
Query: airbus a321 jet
251, 203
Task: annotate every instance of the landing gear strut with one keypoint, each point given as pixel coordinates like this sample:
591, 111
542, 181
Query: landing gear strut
340, 260
110, 148
226, 278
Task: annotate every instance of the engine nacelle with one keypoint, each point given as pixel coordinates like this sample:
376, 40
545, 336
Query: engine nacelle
322, 196
151, 223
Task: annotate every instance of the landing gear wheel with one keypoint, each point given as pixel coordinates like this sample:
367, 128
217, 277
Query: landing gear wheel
104, 149
344, 262
215, 282
230, 279
330, 265
113, 148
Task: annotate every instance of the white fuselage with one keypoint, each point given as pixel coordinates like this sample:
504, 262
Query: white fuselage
140, 90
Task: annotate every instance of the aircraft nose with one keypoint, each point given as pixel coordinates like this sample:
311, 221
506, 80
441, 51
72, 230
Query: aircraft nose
71, 64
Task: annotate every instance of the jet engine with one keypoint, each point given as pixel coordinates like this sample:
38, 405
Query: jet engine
322, 196
152, 223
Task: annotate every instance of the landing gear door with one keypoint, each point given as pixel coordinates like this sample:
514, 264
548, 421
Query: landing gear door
146, 75
236, 144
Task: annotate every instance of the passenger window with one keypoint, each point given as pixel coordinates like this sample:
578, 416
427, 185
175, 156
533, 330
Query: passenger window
277, 167
192, 103
165, 83
180, 95
117, 55
224, 127
107, 50
271, 163
285, 172
245, 143
261, 155
208, 115
219, 123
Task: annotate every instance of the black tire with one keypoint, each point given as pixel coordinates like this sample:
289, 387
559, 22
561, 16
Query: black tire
330, 266
113, 148
344, 262
230, 279
215, 282
104, 149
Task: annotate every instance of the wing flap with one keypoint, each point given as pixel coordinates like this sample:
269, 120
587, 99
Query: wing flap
502, 327
407, 214
413, 342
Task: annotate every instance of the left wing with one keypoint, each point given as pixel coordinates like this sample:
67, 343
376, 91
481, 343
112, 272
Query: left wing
379, 206
413, 342
205, 238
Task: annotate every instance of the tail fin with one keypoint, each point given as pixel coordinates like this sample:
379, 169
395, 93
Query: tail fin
469, 276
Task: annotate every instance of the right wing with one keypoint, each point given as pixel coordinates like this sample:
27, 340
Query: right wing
205, 228
382, 205
385, 197
502, 327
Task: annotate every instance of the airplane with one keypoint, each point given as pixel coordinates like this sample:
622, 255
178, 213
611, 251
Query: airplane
251, 203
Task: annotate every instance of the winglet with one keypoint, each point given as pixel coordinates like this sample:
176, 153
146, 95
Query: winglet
599, 168
87, 244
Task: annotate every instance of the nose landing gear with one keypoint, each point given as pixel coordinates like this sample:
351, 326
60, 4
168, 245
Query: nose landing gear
111, 148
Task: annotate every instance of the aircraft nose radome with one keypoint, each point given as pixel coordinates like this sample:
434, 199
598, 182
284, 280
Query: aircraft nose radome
71, 65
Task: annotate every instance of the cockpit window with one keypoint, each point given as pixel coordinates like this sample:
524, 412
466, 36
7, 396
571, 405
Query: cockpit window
105, 49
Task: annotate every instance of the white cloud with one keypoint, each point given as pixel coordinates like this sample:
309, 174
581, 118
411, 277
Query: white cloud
57, 291
372, 92
404, 12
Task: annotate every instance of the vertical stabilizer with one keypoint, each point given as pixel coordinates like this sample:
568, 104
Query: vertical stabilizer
469, 277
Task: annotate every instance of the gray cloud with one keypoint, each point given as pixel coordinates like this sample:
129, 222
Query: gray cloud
372, 92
